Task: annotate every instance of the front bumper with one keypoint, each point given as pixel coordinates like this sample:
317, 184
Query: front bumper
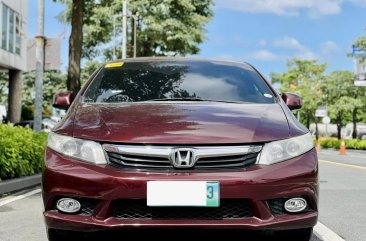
65, 177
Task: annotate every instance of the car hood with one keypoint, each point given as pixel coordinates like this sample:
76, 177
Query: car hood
181, 123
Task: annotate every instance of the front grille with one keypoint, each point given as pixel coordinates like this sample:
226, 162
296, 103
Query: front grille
141, 157
87, 206
137, 209
238, 161
138, 161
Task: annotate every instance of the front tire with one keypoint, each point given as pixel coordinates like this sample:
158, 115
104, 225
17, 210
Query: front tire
296, 234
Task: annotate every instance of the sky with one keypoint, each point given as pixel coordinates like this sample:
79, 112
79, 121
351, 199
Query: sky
265, 33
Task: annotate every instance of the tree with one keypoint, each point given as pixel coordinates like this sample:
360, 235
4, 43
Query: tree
303, 77
341, 106
75, 46
165, 27
173, 27
339, 84
53, 83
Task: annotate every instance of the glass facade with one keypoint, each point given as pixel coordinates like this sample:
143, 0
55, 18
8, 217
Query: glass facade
10, 34
4, 36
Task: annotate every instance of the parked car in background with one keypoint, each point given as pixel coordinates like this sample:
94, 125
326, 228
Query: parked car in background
2, 113
180, 142
48, 123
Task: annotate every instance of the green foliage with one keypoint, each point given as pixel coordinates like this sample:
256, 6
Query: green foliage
360, 43
346, 102
343, 96
27, 112
165, 27
21, 151
305, 78
330, 143
88, 69
53, 82
350, 144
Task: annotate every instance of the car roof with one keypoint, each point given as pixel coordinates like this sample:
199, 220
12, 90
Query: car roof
178, 59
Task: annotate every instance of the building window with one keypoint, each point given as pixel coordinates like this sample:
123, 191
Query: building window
4, 41
11, 38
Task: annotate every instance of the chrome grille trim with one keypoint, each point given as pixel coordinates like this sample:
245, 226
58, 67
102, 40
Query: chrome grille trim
160, 156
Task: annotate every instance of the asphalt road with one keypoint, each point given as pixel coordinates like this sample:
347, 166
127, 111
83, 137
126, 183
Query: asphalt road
342, 209
343, 193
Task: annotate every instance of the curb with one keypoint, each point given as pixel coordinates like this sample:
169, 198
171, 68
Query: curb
326, 234
19, 183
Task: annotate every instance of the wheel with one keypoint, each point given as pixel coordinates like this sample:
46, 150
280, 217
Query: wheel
62, 235
294, 235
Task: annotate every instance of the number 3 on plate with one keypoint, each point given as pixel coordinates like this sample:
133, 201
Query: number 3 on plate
210, 192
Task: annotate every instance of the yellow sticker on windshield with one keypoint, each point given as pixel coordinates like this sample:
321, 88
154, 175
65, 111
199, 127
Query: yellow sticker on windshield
114, 65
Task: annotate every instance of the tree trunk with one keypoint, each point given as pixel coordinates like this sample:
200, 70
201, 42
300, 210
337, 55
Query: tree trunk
15, 96
146, 47
130, 45
75, 46
316, 129
339, 125
354, 120
307, 120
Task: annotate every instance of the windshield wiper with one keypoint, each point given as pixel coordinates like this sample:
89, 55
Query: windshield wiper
197, 99
177, 99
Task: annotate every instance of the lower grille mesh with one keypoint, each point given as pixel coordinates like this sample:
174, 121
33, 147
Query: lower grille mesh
137, 209
87, 206
277, 206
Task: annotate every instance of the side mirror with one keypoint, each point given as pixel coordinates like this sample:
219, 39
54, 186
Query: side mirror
63, 100
293, 101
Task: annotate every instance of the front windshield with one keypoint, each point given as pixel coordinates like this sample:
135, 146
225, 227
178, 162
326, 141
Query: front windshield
148, 81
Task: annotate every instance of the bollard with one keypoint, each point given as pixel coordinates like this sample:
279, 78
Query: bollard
318, 147
342, 149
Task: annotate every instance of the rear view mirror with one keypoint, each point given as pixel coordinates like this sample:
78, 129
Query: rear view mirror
63, 100
293, 101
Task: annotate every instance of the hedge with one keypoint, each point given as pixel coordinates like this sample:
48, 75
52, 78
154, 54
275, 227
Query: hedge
21, 151
350, 144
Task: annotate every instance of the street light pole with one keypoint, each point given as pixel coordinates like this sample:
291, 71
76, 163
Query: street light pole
134, 34
124, 29
40, 39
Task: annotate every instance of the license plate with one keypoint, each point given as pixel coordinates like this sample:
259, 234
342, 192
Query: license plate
183, 193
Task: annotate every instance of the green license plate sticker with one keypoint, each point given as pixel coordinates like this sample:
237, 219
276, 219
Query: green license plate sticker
212, 194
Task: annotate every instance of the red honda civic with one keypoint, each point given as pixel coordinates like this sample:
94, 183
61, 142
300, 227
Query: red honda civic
179, 143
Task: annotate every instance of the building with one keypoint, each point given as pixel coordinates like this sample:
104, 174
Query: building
13, 22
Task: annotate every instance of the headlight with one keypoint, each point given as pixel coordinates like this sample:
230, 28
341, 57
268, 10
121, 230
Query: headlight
84, 150
278, 151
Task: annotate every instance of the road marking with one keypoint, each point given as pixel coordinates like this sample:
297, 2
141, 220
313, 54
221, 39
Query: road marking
325, 234
16, 198
344, 164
